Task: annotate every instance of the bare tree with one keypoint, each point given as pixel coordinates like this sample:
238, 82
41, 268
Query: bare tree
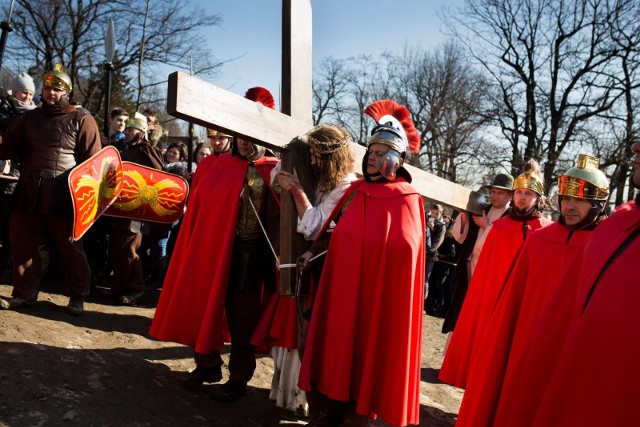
624, 24
73, 33
448, 99
553, 63
330, 87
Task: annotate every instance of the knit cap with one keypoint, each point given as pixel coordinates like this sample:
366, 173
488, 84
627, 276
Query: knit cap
23, 81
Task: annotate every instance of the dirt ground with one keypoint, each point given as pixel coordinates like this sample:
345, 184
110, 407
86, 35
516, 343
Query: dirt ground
103, 369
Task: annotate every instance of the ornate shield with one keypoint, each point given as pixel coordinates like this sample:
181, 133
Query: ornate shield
94, 185
149, 195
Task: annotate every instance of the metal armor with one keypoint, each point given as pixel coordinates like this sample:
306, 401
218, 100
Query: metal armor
254, 190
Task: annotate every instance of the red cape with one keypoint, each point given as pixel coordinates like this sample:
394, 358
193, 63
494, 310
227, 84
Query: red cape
278, 326
191, 309
364, 341
542, 261
581, 367
204, 166
494, 265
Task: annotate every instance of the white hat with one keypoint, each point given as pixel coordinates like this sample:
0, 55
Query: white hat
23, 81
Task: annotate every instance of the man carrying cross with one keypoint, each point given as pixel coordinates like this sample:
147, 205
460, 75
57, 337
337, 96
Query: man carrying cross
221, 261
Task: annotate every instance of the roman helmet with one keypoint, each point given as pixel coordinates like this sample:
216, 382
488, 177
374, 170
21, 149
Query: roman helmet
531, 178
138, 121
264, 97
585, 181
396, 130
57, 79
212, 133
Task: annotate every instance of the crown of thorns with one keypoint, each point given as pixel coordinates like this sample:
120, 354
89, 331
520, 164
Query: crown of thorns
325, 147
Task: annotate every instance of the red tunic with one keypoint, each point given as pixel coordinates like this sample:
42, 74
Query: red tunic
581, 368
364, 341
494, 265
191, 309
542, 261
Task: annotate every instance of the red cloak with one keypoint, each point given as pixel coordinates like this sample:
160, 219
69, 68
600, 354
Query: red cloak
204, 166
191, 309
542, 261
364, 341
278, 326
494, 265
581, 367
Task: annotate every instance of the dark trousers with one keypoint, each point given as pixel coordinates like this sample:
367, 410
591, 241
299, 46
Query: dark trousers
252, 269
243, 314
438, 299
326, 412
127, 267
207, 360
27, 232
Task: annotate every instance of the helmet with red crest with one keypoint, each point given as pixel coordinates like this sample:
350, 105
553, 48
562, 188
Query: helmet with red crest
396, 130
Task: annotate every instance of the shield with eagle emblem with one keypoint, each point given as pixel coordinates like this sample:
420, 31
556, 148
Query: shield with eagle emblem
149, 195
94, 185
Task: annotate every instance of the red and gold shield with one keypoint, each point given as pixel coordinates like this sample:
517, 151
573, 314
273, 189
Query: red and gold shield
94, 185
149, 195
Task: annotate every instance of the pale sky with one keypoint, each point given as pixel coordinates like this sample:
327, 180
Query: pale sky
341, 28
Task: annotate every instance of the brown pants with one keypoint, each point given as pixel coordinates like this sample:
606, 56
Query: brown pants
127, 267
26, 233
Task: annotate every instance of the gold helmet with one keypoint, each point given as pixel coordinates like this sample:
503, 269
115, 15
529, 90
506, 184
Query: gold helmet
585, 180
531, 178
212, 133
138, 121
57, 79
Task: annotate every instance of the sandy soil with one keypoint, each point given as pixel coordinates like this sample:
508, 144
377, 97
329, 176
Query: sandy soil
104, 370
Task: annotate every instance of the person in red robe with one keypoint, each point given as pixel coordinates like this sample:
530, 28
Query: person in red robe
496, 259
363, 349
581, 367
583, 192
221, 261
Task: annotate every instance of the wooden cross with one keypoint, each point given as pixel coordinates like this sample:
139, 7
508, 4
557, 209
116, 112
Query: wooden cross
233, 114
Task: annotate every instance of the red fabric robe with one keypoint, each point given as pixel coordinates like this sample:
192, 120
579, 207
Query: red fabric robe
204, 166
278, 326
191, 309
542, 261
494, 265
364, 341
581, 367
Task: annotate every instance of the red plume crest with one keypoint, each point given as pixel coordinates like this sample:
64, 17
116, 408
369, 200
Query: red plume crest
388, 107
261, 95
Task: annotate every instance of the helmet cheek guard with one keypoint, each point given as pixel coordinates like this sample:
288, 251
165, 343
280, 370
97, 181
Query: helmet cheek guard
389, 164
257, 152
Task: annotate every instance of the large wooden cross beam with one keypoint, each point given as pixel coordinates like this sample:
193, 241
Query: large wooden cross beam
235, 115
231, 113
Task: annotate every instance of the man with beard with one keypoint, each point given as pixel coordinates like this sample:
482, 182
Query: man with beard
326, 151
362, 355
581, 366
125, 235
220, 142
222, 266
582, 193
51, 140
499, 251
